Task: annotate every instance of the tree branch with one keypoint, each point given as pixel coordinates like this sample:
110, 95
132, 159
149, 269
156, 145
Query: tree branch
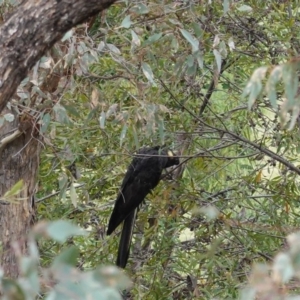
34, 28
236, 136
212, 87
9, 139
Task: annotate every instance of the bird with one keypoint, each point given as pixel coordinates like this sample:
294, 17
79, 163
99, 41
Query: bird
142, 176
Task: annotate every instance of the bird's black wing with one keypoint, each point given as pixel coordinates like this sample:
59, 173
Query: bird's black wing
137, 164
130, 197
142, 175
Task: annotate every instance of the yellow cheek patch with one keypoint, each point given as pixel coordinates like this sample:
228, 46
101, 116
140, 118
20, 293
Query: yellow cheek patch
170, 153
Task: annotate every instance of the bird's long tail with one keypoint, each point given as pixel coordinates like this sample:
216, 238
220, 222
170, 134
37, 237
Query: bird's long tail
125, 241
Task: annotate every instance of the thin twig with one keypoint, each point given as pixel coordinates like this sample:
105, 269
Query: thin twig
8, 139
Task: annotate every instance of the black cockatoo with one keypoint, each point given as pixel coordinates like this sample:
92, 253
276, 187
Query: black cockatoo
142, 176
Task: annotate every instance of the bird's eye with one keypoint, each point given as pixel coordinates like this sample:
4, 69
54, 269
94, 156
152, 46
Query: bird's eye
170, 153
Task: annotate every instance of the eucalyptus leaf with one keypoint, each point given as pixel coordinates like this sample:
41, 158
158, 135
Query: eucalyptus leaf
126, 23
193, 41
102, 120
73, 195
69, 257
61, 230
148, 73
9, 117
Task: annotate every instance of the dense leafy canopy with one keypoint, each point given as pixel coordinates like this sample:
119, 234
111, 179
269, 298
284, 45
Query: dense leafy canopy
174, 72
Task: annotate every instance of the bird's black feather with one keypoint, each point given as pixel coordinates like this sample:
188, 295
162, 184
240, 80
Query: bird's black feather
142, 176
125, 240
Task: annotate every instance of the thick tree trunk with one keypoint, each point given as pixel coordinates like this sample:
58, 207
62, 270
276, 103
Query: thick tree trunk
19, 160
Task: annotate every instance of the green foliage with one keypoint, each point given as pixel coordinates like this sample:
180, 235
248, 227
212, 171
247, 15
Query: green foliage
62, 279
13, 192
173, 72
284, 270
289, 110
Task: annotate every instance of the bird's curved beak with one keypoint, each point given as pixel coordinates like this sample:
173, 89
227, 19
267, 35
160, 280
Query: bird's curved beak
170, 153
